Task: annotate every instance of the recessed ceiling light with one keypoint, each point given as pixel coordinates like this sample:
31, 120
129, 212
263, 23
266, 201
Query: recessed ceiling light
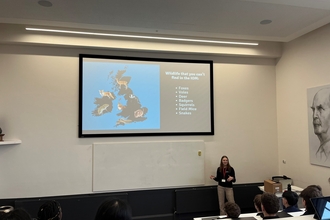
45, 3
266, 21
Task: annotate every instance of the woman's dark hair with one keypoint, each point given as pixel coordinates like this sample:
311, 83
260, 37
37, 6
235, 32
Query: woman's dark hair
221, 165
16, 214
50, 210
114, 209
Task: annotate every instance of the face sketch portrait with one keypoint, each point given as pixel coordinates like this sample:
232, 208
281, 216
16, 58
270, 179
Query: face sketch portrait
319, 125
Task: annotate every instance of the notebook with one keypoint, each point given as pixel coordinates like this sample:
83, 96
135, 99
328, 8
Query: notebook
211, 218
321, 206
217, 217
283, 214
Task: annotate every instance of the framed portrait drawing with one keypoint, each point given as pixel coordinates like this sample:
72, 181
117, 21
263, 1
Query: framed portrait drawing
318, 102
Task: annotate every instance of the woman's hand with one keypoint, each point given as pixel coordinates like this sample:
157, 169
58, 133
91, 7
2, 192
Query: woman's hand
230, 178
212, 177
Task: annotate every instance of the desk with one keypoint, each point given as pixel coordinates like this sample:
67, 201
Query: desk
240, 216
293, 188
296, 215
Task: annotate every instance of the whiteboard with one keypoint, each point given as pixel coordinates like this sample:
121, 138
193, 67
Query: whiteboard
145, 165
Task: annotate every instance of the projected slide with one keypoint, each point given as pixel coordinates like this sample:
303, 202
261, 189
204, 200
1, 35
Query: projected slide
111, 98
135, 96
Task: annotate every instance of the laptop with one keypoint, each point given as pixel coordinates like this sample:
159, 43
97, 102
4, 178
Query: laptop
321, 206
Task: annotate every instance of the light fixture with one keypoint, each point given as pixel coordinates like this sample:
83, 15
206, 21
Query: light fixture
266, 21
141, 37
45, 3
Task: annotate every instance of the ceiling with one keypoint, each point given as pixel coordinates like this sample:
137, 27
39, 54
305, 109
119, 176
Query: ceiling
207, 19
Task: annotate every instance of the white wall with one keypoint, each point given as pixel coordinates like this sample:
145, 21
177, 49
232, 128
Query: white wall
39, 105
304, 64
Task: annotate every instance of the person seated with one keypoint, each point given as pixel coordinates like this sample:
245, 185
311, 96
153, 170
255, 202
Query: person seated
311, 191
257, 205
290, 200
114, 209
269, 205
16, 214
50, 210
232, 210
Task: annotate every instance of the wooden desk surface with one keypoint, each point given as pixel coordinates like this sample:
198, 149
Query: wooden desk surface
296, 215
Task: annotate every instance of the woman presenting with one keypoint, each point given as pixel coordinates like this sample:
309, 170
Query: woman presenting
225, 178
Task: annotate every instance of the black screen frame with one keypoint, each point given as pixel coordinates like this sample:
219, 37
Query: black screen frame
128, 58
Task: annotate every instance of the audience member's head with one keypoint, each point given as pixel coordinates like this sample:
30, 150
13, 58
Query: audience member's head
232, 210
114, 209
50, 210
16, 214
257, 202
289, 198
311, 191
316, 187
269, 204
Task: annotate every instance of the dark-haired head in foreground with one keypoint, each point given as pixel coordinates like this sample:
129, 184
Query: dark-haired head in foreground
269, 205
309, 192
257, 204
16, 214
290, 200
232, 210
114, 209
50, 210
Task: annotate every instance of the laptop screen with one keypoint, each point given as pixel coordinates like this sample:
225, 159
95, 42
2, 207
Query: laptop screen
322, 207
